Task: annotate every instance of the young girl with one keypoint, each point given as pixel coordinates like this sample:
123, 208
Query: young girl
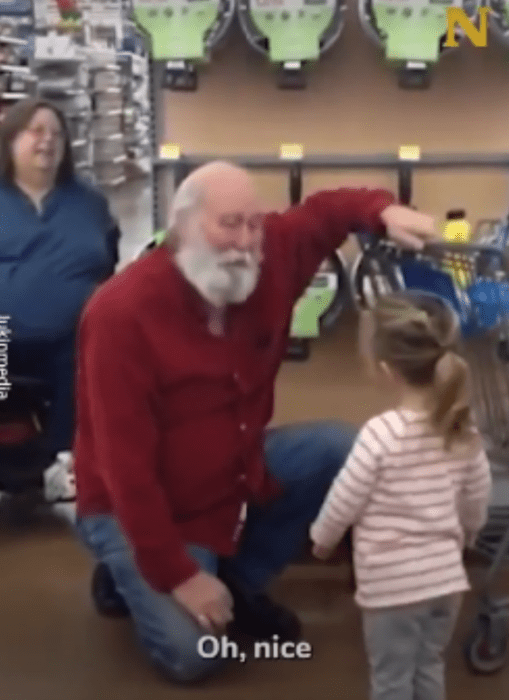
416, 488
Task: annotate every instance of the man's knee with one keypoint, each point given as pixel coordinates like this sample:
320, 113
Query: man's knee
187, 665
333, 443
337, 438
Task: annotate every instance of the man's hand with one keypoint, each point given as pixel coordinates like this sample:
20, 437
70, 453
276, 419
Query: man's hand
322, 553
409, 228
207, 599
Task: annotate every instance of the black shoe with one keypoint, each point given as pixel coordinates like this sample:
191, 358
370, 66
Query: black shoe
105, 596
258, 616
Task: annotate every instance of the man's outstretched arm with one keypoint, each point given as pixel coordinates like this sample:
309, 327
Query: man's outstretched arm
308, 233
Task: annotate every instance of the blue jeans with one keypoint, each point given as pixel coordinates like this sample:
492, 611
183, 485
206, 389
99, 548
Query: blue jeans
406, 648
304, 459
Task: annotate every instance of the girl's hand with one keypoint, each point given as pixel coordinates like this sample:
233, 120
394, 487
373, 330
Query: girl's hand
322, 553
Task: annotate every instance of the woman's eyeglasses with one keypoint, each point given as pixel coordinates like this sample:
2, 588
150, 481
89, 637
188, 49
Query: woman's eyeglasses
39, 133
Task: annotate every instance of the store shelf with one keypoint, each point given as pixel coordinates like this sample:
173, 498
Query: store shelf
13, 41
61, 66
111, 137
77, 115
51, 60
116, 161
137, 96
113, 183
103, 92
109, 113
16, 78
108, 90
14, 69
14, 96
108, 67
65, 92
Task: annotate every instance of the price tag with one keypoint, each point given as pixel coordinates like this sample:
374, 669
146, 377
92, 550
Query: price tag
291, 151
170, 151
409, 153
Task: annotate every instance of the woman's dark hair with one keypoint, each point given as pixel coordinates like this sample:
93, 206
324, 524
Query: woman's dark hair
16, 120
417, 335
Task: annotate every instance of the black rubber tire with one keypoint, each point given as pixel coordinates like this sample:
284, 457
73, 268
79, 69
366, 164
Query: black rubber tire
503, 351
361, 270
480, 658
298, 350
342, 296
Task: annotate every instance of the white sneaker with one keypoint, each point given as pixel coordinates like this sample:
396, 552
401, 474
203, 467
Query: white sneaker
59, 481
60, 487
65, 511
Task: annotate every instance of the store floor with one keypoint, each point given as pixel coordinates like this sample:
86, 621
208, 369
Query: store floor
53, 645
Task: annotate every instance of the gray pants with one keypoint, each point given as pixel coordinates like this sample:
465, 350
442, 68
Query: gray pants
406, 648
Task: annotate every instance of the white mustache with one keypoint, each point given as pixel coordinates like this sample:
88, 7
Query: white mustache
235, 263
245, 260
221, 278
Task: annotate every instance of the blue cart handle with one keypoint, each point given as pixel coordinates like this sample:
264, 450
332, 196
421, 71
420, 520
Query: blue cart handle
371, 241
443, 249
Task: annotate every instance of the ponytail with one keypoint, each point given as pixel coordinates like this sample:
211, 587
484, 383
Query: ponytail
417, 337
452, 414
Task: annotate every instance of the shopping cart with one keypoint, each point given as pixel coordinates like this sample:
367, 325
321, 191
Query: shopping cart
492, 232
481, 302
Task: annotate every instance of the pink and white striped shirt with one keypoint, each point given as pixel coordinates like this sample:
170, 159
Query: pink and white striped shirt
413, 506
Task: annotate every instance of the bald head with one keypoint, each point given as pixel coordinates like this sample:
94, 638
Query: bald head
220, 175
218, 222
216, 188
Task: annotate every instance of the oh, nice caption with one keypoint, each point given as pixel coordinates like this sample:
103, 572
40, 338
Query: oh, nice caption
210, 647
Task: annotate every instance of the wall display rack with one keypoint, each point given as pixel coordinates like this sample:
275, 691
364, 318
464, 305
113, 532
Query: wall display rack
107, 92
60, 65
182, 34
87, 65
135, 68
181, 165
16, 32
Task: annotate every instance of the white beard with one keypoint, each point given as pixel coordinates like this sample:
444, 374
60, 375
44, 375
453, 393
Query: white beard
218, 284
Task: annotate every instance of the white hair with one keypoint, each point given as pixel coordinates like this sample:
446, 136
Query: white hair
186, 201
190, 194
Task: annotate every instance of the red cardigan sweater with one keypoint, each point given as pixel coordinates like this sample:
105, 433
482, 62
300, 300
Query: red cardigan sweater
170, 419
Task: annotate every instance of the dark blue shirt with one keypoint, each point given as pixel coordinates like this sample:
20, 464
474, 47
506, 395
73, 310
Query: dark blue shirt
51, 261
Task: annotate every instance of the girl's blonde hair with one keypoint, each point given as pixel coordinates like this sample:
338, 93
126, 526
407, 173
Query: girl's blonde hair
417, 335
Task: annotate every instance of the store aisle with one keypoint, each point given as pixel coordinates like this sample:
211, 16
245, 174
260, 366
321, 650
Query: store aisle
132, 204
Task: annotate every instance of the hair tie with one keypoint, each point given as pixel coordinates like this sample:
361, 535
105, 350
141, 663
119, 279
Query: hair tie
445, 362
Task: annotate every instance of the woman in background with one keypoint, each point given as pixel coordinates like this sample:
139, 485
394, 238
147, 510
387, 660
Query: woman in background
58, 242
